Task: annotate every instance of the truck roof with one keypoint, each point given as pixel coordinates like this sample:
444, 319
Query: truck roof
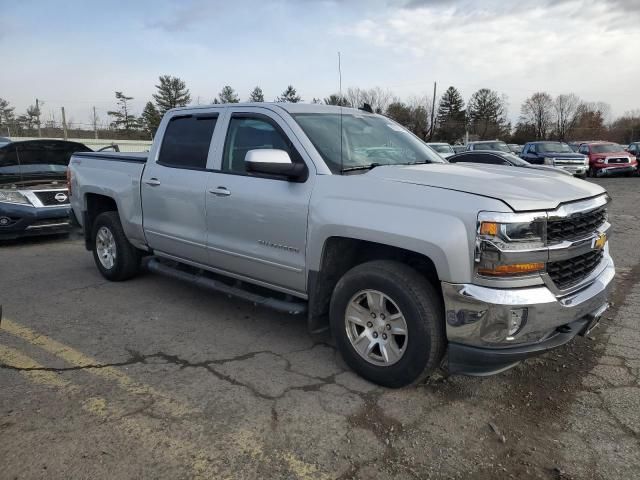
288, 107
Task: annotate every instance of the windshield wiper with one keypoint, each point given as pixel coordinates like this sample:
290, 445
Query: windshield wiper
369, 166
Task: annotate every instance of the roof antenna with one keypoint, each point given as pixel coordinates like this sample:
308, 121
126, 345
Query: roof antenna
340, 103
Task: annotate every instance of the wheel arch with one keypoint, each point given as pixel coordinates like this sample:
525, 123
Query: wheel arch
95, 204
339, 255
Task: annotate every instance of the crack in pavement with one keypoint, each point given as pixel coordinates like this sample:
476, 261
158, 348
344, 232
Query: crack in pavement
137, 358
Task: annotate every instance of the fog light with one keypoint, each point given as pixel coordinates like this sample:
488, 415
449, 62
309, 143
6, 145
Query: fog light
517, 319
4, 221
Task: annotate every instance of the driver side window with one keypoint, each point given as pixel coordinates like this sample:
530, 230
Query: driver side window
251, 133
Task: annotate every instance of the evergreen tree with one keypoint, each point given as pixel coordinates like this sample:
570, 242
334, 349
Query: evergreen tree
6, 114
150, 118
451, 116
122, 118
487, 114
289, 96
256, 95
336, 99
228, 95
172, 93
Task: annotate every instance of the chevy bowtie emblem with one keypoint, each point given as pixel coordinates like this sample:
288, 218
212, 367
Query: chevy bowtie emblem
61, 197
600, 241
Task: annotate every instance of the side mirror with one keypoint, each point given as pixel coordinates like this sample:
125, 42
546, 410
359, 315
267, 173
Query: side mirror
268, 161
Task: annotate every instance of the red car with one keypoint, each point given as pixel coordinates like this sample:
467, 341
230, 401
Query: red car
607, 158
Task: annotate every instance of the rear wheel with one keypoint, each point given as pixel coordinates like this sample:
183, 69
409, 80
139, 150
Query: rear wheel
115, 257
388, 323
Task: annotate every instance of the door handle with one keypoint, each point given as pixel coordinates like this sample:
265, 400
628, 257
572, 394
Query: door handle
220, 192
154, 182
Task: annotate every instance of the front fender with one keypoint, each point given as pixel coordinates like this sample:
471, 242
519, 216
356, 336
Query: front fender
434, 222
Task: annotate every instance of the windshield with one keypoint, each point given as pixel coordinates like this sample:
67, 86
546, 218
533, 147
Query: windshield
515, 160
606, 148
554, 147
441, 148
498, 146
367, 140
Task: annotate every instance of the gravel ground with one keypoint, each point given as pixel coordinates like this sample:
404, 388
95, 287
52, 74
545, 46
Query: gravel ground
153, 378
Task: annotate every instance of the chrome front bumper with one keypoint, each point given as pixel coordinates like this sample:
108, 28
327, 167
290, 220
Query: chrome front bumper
478, 316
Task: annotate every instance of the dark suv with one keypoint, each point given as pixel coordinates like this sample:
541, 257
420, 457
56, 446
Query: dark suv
556, 154
34, 199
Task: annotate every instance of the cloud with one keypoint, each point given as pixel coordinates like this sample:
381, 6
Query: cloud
518, 48
183, 18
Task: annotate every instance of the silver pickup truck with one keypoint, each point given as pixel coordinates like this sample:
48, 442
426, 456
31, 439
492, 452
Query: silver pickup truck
346, 217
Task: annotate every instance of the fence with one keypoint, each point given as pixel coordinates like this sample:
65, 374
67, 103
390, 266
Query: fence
124, 145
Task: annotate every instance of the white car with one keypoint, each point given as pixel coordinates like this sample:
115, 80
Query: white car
443, 149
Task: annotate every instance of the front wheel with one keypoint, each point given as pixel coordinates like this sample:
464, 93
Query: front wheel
115, 257
388, 323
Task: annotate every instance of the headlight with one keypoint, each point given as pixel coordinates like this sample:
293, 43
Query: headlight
500, 233
600, 160
12, 196
513, 232
586, 161
548, 160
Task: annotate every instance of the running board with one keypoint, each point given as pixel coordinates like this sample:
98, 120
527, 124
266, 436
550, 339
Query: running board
286, 306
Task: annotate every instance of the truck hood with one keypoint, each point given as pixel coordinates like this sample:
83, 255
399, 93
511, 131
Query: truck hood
522, 189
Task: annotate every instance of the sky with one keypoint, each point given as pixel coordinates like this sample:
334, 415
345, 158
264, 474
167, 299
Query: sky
76, 54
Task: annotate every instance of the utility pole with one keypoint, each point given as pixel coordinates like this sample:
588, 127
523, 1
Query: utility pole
38, 110
64, 124
95, 124
433, 111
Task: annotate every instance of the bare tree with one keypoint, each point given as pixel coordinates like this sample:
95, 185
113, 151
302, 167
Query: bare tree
567, 109
538, 111
376, 97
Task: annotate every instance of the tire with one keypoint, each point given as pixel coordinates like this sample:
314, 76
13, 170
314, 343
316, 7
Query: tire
125, 258
407, 293
591, 173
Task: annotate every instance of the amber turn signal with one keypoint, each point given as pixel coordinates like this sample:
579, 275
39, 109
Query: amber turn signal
489, 228
515, 269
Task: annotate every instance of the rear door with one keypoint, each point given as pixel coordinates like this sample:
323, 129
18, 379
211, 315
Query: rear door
257, 224
174, 186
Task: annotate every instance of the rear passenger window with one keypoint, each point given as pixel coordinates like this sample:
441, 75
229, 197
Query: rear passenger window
186, 142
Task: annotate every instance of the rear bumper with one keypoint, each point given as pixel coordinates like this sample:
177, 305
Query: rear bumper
477, 320
25, 221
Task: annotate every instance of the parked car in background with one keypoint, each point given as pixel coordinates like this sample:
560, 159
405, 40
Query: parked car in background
497, 145
459, 148
500, 158
607, 158
634, 149
34, 199
556, 154
443, 149
515, 148
489, 263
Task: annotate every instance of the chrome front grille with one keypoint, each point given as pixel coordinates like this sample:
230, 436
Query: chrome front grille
575, 226
567, 273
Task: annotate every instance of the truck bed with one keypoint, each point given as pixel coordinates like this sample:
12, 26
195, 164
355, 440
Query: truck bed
138, 157
114, 175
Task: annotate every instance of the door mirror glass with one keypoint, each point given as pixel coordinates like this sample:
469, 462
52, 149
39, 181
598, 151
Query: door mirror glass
269, 161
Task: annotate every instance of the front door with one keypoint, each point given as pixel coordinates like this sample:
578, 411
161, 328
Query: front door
174, 189
257, 226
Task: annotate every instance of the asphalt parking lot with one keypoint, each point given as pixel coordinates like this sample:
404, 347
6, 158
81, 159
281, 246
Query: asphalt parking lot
153, 378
